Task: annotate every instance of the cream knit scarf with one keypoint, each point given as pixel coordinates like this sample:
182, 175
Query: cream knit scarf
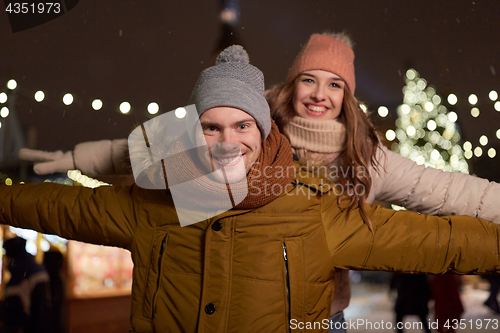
315, 142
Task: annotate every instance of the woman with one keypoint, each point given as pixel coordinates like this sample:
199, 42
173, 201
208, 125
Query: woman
329, 132
317, 111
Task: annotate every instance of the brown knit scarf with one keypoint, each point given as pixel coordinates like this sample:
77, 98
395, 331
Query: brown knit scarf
267, 179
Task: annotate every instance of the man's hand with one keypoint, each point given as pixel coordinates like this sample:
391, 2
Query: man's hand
48, 162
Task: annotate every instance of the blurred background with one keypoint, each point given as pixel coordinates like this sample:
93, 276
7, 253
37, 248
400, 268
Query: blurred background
425, 70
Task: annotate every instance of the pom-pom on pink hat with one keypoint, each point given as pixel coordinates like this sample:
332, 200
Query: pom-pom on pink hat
324, 52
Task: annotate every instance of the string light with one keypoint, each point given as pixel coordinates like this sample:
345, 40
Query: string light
483, 140
96, 104
453, 117
39, 96
180, 112
478, 152
431, 125
12, 84
390, 135
67, 99
3, 98
452, 99
428, 106
383, 111
86, 181
493, 95
153, 108
467, 145
475, 112
411, 74
125, 107
473, 99
426, 131
498, 133
4, 112
492, 152
497, 106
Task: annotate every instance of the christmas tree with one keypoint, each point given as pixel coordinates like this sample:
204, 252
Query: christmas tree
426, 131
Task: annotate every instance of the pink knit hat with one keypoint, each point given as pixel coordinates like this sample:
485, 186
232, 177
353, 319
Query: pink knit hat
325, 53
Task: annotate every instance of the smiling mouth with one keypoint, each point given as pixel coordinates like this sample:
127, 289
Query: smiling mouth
228, 161
316, 109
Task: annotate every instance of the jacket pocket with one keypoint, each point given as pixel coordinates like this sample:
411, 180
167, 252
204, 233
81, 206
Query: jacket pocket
294, 286
152, 282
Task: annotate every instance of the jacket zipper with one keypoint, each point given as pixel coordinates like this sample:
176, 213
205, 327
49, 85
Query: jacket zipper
162, 249
285, 257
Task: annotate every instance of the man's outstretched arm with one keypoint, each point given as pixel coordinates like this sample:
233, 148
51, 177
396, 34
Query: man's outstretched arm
101, 216
409, 242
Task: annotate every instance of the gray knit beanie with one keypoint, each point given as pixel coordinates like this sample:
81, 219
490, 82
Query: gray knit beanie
235, 83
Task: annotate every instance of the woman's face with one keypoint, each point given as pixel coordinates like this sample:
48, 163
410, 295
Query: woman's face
318, 95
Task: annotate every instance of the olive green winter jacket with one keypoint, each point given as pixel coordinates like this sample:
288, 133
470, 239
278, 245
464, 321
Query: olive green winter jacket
252, 270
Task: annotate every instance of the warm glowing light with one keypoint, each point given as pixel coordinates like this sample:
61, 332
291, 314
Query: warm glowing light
363, 107
68, 99
4, 112
468, 154
428, 106
12, 84
125, 107
3, 97
473, 99
180, 113
498, 134
497, 106
452, 116
435, 155
153, 108
411, 74
383, 111
483, 140
86, 181
478, 152
467, 145
8, 182
436, 99
493, 95
405, 109
492, 152
39, 96
410, 131
390, 135
431, 125
420, 160
96, 104
452, 99
474, 112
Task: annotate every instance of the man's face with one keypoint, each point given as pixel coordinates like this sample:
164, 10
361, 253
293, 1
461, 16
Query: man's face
234, 142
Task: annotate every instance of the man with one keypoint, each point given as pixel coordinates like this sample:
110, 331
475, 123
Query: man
266, 265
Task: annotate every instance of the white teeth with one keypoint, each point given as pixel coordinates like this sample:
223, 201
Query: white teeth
313, 108
227, 160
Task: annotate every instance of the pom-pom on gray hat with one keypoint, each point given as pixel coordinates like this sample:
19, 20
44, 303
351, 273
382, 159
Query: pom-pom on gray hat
233, 82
